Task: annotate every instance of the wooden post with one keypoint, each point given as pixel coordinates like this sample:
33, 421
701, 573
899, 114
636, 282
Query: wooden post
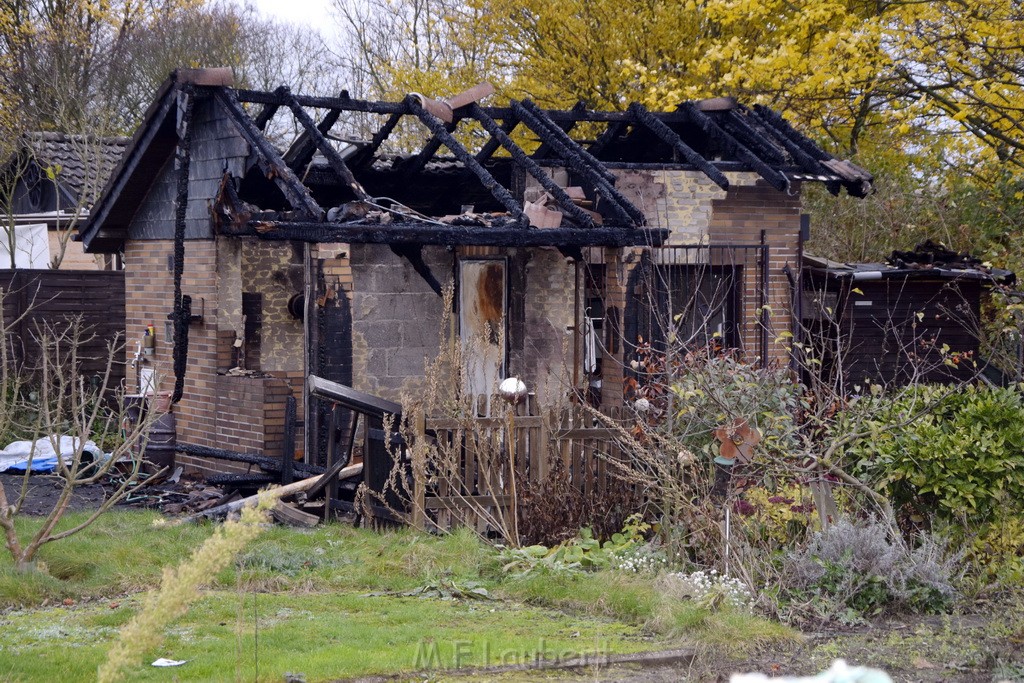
419, 515
288, 453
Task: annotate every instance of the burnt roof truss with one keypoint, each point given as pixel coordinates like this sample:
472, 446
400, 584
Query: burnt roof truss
465, 182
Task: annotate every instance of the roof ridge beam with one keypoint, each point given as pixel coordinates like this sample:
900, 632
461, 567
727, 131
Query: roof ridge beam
645, 118
437, 127
522, 158
571, 155
338, 164
267, 157
711, 127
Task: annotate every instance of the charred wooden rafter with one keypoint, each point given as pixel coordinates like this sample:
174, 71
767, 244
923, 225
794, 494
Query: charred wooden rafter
612, 131
555, 133
437, 127
672, 139
530, 166
737, 124
302, 150
508, 235
413, 253
268, 111
492, 144
544, 150
337, 164
594, 173
419, 162
270, 162
713, 130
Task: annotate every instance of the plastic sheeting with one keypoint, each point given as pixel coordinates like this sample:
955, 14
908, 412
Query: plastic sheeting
16, 457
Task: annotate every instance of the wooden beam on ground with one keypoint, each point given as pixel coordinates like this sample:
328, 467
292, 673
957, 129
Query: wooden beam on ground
274, 493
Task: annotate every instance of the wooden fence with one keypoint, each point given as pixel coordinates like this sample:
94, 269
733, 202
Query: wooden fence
57, 297
479, 470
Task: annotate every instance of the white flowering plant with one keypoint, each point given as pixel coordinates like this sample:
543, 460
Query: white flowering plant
709, 589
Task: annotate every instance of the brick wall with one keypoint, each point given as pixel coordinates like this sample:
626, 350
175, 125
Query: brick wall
237, 413
698, 212
739, 218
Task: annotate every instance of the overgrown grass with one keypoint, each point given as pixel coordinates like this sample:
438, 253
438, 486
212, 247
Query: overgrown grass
121, 553
327, 605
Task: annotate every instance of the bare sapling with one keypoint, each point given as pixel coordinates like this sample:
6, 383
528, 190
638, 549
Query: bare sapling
43, 403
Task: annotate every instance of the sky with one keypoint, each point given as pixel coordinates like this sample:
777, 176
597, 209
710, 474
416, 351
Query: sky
316, 13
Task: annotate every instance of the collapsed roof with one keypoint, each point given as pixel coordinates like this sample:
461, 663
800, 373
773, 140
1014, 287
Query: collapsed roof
325, 188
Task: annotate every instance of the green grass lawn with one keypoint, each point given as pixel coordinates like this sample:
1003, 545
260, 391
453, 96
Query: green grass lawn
323, 602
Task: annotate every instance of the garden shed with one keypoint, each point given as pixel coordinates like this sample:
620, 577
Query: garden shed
263, 259
915, 318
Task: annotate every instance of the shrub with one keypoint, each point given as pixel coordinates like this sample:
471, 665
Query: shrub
962, 455
851, 570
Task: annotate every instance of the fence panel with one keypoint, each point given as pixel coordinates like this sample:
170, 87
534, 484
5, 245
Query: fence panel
56, 297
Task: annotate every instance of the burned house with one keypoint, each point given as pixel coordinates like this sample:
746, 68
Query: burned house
566, 234
915, 318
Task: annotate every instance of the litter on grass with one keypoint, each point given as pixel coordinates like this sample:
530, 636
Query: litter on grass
169, 662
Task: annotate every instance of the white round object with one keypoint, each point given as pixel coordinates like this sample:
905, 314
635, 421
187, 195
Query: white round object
512, 389
641, 405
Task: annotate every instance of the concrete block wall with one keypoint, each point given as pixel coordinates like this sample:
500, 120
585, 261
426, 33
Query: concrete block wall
396, 317
550, 326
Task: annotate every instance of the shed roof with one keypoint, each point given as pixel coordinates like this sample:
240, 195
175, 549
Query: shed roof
928, 261
325, 189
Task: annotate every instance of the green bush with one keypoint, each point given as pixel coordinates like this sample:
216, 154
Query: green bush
952, 453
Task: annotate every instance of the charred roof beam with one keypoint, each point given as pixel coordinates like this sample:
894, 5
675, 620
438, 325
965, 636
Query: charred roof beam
764, 148
301, 151
270, 162
806, 161
337, 164
497, 190
454, 235
530, 166
268, 111
713, 130
576, 158
492, 144
383, 133
672, 139
544, 150
419, 162
343, 103
612, 131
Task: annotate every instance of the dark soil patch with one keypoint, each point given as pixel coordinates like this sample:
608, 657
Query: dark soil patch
45, 489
